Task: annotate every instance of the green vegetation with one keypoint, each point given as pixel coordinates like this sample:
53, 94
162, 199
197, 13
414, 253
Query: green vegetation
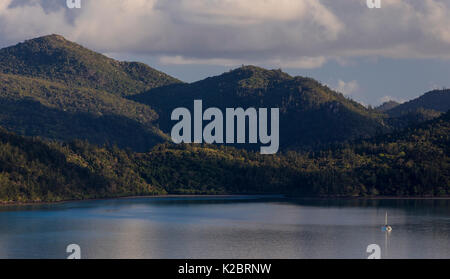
36, 107
57, 89
413, 117
34, 171
426, 107
412, 163
436, 100
86, 117
310, 112
56, 59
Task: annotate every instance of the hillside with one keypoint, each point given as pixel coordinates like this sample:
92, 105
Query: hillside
426, 107
310, 113
415, 162
56, 89
35, 171
330, 145
36, 107
56, 59
437, 100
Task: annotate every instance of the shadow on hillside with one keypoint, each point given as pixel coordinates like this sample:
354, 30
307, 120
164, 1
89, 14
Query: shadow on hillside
31, 118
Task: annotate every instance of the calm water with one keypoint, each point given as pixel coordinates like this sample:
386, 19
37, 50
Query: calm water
226, 227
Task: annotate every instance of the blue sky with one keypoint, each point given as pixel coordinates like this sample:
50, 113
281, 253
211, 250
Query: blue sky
398, 51
377, 80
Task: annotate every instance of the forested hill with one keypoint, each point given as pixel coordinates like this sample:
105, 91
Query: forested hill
34, 171
311, 113
56, 59
426, 107
37, 107
413, 163
56, 89
437, 100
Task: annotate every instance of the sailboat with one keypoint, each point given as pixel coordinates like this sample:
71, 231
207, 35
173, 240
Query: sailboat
386, 227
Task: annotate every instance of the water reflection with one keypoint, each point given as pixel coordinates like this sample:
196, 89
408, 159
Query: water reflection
227, 227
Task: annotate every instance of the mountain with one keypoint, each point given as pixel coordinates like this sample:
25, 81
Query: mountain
411, 118
437, 100
414, 162
56, 59
56, 89
35, 171
36, 107
310, 113
387, 106
426, 107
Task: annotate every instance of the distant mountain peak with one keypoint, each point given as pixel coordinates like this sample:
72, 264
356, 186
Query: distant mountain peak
255, 71
52, 37
57, 59
438, 100
49, 42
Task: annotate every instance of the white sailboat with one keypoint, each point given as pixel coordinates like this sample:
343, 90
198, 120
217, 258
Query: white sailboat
386, 227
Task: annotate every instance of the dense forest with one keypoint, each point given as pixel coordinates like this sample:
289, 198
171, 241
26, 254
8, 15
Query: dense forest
56, 59
76, 124
56, 89
37, 107
415, 162
320, 114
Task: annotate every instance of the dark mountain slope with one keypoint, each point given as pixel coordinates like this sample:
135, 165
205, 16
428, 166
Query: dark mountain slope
426, 107
310, 112
415, 162
437, 100
57, 89
37, 107
57, 59
35, 171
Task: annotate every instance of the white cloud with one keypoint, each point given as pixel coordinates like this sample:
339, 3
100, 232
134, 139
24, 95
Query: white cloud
347, 88
285, 33
301, 62
385, 99
180, 60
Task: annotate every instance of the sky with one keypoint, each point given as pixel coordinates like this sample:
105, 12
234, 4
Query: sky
396, 52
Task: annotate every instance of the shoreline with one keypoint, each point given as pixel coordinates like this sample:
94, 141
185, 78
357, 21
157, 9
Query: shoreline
8, 204
4, 204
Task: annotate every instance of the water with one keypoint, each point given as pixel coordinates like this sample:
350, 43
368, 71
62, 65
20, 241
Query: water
226, 227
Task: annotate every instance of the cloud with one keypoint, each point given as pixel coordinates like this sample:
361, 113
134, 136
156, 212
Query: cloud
284, 33
347, 88
385, 99
301, 62
180, 60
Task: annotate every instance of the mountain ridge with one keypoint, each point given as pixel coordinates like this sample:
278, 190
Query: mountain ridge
86, 95
317, 112
411, 163
54, 58
438, 100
